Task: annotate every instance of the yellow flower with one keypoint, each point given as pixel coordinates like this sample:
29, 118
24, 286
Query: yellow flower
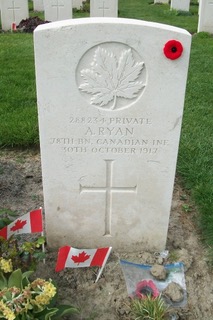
42, 300
49, 289
6, 265
7, 313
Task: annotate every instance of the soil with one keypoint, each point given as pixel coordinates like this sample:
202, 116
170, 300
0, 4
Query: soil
21, 191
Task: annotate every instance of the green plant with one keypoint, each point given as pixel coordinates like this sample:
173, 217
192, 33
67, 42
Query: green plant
24, 255
186, 207
149, 308
21, 299
6, 216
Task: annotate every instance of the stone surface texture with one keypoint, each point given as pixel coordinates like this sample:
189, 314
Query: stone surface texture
205, 22
174, 292
159, 272
103, 8
13, 11
182, 5
77, 4
57, 10
161, 1
38, 5
110, 109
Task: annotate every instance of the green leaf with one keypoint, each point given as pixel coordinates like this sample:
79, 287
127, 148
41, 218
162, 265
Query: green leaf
46, 314
41, 240
3, 281
27, 274
64, 310
15, 279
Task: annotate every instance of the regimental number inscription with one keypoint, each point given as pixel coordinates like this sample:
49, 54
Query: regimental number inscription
115, 77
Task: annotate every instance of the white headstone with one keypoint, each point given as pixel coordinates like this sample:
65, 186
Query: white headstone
38, 5
77, 4
205, 22
182, 5
13, 11
56, 10
161, 1
110, 109
103, 8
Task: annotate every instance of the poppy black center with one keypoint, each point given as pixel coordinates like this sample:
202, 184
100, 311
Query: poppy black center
147, 291
174, 49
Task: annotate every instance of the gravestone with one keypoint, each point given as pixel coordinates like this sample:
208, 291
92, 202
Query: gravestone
110, 95
12, 12
56, 10
182, 5
103, 8
161, 1
205, 22
77, 4
38, 5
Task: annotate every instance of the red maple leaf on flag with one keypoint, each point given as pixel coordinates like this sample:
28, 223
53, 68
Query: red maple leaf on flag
80, 258
18, 225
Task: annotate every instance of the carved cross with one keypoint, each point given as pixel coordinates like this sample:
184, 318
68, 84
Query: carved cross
108, 189
102, 7
57, 6
14, 9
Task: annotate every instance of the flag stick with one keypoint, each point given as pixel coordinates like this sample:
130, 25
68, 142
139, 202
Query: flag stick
102, 268
42, 234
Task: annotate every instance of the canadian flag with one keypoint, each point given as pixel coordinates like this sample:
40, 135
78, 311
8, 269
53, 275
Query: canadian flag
69, 257
28, 223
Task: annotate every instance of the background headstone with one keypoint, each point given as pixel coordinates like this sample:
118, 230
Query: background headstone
205, 22
182, 5
77, 4
103, 8
56, 10
110, 108
38, 5
13, 11
161, 1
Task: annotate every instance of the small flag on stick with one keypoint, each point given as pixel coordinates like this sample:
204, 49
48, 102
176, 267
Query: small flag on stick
69, 257
30, 222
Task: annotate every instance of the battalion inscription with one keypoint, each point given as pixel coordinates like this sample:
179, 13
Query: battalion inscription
114, 135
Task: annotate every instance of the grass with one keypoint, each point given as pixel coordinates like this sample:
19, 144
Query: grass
149, 308
195, 163
18, 111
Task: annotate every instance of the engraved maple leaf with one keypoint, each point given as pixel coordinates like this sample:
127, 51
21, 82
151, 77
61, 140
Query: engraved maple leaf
82, 257
110, 78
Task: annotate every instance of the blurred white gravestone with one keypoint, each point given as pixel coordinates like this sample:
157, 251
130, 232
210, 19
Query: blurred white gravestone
56, 10
103, 8
161, 1
182, 5
38, 5
77, 4
110, 96
205, 22
12, 12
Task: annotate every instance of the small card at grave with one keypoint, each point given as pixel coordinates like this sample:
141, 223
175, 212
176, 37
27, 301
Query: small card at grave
110, 97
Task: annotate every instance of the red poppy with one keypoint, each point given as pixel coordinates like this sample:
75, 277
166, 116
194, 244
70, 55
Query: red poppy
146, 288
173, 49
